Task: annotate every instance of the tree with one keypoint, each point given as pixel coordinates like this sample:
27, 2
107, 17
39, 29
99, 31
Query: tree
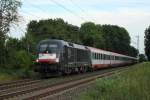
50, 29
142, 58
147, 42
8, 15
117, 39
92, 35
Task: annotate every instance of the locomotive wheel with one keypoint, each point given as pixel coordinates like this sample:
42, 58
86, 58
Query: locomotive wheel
76, 70
84, 69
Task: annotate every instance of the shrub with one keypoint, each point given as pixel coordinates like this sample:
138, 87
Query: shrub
132, 84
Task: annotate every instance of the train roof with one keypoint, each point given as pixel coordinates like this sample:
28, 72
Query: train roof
65, 43
73, 45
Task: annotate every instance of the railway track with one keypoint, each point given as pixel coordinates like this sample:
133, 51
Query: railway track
40, 89
18, 83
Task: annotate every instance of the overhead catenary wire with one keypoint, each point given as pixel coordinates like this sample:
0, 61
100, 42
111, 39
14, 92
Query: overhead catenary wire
82, 10
58, 4
68, 10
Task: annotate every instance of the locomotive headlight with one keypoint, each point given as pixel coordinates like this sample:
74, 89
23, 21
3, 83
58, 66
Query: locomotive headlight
37, 60
57, 60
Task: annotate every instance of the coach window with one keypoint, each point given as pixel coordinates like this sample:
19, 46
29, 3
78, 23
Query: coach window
93, 56
107, 57
103, 56
111, 57
99, 56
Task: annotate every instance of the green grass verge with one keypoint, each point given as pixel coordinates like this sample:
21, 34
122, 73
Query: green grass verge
133, 84
13, 74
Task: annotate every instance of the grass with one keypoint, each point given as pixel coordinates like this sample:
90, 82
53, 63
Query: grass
13, 74
6, 75
133, 84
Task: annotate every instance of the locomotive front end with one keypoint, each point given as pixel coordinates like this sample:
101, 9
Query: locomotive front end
48, 56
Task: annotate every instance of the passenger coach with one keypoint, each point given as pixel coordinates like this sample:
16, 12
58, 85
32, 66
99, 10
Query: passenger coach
101, 58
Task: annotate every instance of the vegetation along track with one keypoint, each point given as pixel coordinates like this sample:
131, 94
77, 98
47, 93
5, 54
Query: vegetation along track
46, 88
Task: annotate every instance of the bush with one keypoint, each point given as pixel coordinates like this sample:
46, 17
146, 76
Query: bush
130, 85
22, 59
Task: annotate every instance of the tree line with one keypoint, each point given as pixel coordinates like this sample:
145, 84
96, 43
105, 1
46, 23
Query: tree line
107, 37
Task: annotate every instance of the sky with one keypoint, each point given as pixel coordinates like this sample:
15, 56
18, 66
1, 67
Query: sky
133, 15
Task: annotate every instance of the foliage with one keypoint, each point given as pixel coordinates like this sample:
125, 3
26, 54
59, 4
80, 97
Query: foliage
147, 42
92, 35
108, 37
2, 50
117, 39
13, 45
19, 65
22, 59
142, 58
8, 15
129, 85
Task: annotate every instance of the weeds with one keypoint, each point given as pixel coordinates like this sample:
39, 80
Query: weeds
133, 84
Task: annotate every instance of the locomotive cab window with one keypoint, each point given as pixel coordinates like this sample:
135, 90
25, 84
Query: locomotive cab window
50, 48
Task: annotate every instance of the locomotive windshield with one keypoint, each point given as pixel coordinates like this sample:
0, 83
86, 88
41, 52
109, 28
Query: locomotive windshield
48, 48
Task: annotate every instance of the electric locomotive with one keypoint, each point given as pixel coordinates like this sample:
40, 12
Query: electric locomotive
58, 56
